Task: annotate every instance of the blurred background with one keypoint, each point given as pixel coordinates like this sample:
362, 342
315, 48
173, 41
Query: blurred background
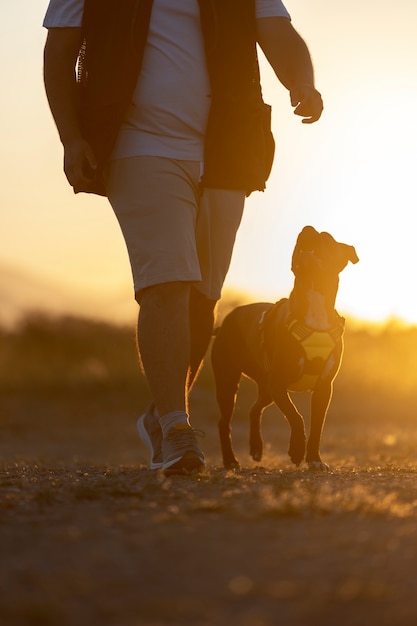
69, 381
352, 174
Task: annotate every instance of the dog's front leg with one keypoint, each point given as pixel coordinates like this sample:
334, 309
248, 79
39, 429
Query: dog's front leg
225, 432
296, 450
320, 400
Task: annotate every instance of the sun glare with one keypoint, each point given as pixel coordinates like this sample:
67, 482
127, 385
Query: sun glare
377, 210
351, 174
359, 187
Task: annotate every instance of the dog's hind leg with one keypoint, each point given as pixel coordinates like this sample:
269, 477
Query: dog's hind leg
226, 391
226, 364
227, 375
256, 444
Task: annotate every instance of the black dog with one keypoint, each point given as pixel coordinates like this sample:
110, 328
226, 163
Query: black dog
295, 344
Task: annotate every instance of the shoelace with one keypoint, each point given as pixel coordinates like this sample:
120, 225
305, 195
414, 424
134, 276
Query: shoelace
179, 438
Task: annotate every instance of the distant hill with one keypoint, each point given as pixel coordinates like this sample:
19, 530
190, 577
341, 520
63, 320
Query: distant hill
23, 292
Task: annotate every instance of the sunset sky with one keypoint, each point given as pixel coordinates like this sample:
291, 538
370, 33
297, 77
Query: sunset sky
352, 174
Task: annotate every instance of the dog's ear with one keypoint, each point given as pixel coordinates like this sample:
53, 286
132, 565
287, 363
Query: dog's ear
351, 254
353, 257
348, 254
305, 242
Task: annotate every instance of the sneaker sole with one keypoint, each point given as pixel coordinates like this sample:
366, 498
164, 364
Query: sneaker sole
143, 434
189, 463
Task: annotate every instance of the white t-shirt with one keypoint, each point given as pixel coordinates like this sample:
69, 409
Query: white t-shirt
168, 112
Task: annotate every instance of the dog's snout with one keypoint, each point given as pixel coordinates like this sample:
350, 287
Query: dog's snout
305, 259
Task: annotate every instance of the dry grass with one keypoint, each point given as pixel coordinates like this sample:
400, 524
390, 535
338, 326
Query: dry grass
89, 536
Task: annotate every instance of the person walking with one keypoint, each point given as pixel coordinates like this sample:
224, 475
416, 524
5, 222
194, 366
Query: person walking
158, 105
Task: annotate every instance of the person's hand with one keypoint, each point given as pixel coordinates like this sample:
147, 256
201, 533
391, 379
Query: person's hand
307, 102
79, 163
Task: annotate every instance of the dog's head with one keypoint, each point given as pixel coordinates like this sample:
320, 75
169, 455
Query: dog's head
318, 256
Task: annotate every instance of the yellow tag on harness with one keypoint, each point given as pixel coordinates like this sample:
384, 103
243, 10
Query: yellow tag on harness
318, 346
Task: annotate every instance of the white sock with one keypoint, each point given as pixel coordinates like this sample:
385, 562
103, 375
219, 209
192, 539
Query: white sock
172, 419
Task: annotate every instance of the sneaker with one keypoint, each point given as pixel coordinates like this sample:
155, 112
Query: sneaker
180, 451
150, 432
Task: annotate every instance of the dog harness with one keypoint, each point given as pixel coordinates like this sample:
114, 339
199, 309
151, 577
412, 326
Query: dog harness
317, 347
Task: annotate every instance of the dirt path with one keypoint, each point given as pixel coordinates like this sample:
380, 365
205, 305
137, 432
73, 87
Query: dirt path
121, 546
89, 537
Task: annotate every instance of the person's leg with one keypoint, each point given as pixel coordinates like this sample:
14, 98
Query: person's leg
158, 223
201, 330
218, 220
164, 348
164, 344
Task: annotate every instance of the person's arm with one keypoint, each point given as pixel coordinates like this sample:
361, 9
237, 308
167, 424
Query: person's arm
60, 58
290, 59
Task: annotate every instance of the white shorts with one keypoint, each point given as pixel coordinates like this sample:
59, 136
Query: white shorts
172, 232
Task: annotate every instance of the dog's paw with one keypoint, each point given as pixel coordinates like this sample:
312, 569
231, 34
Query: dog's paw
256, 454
256, 446
318, 466
231, 465
296, 450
